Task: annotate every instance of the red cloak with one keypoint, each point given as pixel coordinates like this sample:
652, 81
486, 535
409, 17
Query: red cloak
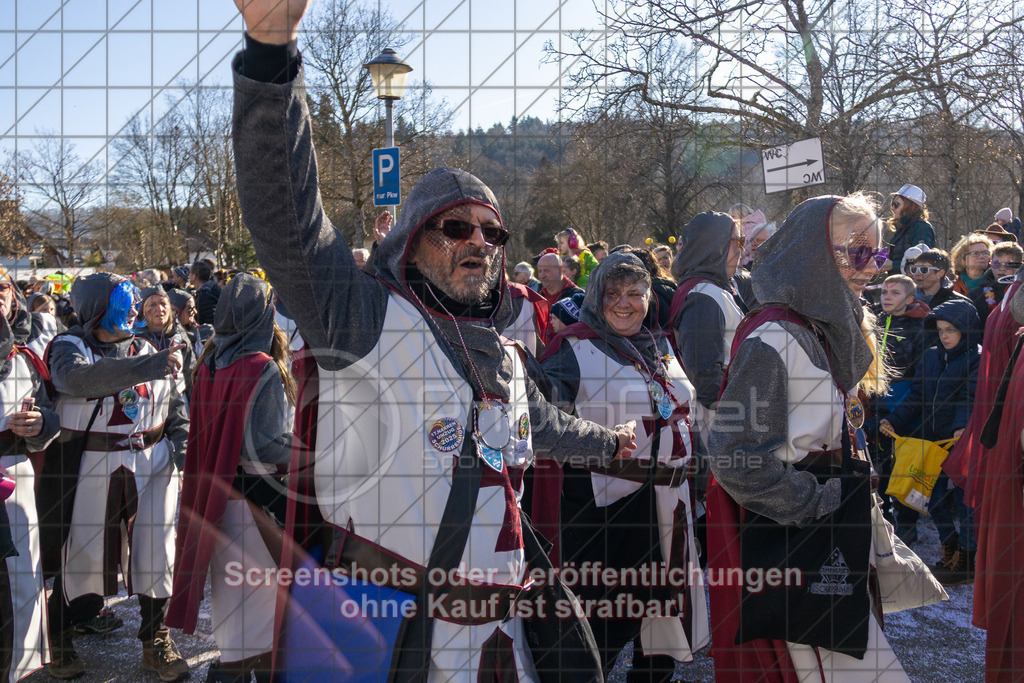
963, 461
219, 409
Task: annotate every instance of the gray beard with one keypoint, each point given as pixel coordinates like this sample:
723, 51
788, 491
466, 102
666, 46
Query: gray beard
475, 290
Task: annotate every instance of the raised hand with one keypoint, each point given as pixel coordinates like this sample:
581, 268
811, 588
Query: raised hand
274, 22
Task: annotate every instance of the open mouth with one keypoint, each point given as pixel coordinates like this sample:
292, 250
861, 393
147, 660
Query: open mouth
472, 264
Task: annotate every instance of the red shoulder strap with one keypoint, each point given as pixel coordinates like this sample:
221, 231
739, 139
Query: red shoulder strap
755, 319
682, 291
40, 367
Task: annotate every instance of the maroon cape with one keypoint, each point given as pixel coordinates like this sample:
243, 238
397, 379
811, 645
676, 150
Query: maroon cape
963, 461
999, 572
216, 434
762, 660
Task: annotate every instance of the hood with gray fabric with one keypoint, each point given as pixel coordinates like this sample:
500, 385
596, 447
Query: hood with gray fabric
592, 314
795, 268
14, 328
479, 325
90, 296
704, 246
243, 322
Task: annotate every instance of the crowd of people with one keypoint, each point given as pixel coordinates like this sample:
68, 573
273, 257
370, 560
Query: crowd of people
417, 461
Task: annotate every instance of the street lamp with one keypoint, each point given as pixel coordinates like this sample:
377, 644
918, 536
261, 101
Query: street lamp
388, 72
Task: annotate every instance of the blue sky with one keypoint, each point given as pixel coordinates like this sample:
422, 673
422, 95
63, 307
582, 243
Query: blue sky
82, 68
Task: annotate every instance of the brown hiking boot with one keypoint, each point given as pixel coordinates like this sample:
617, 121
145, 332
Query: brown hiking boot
65, 663
161, 656
948, 551
959, 571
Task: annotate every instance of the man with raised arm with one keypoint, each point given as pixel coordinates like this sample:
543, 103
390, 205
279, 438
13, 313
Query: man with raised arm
415, 376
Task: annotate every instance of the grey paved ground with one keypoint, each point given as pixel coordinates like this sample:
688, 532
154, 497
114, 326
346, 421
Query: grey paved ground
934, 644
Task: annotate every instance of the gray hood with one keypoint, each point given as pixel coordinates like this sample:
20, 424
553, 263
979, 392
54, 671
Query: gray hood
795, 268
438, 191
90, 296
244, 320
592, 314
1017, 304
704, 246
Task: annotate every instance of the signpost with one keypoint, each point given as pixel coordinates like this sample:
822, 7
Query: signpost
387, 186
792, 166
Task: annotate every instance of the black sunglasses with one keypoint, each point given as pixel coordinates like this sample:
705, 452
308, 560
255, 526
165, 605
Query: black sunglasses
453, 228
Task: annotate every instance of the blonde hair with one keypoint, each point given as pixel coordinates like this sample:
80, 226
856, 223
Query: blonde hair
847, 212
280, 351
958, 257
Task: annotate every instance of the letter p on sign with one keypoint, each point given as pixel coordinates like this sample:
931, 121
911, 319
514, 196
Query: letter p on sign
387, 182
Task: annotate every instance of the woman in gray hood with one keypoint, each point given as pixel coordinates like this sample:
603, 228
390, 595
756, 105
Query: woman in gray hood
787, 475
628, 514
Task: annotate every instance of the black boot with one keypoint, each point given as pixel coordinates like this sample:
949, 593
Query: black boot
959, 571
949, 549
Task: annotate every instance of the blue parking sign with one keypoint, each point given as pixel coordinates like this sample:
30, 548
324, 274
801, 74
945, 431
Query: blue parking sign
387, 186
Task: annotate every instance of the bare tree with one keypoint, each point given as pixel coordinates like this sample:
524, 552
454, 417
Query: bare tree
154, 171
347, 123
64, 188
15, 237
785, 70
1004, 112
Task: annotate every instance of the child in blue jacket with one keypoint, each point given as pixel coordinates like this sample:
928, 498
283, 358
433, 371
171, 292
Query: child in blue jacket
942, 395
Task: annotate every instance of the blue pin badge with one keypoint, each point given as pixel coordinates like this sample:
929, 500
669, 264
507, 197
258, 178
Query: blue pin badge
129, 399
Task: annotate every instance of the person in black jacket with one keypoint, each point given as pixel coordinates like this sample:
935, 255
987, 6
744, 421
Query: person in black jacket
910, 221
1006, 259
929, 273
943, 395
207, 292
899, 329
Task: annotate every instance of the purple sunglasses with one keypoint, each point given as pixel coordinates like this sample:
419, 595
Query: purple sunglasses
860, 256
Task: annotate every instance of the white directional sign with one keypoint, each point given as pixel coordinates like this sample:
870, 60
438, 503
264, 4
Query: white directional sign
791, 166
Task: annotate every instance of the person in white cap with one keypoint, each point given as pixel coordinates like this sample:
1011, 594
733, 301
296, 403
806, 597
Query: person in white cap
1004, 217
910, 221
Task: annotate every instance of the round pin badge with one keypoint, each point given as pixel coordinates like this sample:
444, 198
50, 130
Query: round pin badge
128, 397
657, 392
854, 412
524, 425
446, 435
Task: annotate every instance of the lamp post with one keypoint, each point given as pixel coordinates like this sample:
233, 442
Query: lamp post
388, 73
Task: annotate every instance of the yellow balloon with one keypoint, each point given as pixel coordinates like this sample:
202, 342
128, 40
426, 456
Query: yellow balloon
649, 241
671, 240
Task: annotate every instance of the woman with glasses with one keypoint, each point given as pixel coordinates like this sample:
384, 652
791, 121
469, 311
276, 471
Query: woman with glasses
987, 295
971, 256
626, 515
788, 473
910, 222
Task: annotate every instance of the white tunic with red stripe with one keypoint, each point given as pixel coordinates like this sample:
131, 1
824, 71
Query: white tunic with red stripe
147, 568
25, 570
387, 442
613, 393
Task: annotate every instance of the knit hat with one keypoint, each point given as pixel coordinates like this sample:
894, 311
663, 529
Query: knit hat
568, 310
182, 272
1004, 214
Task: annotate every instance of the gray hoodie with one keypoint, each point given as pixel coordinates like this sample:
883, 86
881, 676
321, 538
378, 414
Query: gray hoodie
338, 308
794, 267
699, 327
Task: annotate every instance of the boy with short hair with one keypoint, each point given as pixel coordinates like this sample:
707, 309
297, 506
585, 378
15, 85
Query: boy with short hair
899, 329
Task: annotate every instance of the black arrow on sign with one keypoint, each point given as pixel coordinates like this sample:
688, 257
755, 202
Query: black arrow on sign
799, 163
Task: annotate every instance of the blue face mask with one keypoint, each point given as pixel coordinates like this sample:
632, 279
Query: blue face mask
121, 309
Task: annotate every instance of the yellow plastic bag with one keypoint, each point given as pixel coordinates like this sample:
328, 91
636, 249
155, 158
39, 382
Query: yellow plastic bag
917, 467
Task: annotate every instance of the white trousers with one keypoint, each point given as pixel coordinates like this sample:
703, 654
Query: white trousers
25, 570
150, 553
242, 611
